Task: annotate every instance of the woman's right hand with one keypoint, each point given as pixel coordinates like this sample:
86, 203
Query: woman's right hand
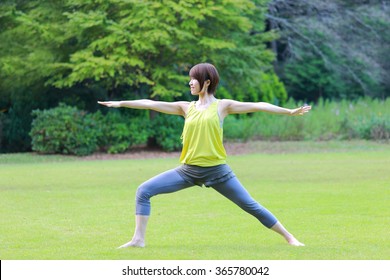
113, 104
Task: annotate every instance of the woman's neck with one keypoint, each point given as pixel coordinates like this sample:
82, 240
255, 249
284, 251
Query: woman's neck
206, 98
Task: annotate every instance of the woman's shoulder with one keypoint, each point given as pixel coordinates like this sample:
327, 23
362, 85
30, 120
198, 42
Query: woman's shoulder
223, 107
189, 105
223, 103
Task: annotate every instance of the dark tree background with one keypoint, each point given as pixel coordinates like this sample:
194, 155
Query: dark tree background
76, 52
332, 49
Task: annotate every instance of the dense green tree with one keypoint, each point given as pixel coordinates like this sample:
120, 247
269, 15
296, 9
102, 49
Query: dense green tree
335, 49
77, 51
139, 44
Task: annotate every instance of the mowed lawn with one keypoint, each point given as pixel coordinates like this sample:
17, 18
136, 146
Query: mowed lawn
336, 201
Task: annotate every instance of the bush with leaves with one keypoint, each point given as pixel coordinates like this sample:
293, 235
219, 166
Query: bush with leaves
64, 130
374, 128
167, 130
119, 132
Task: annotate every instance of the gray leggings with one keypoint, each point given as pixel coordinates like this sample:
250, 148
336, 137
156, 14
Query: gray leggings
170, 181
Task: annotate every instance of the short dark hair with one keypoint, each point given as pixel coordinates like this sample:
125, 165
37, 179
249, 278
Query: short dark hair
203, 72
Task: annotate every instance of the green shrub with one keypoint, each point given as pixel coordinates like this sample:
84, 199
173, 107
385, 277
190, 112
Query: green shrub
2, 120
375, 128
239, 128
380, 129
167, 130
64, 130
361, 119
119, 132
16, 123
67, 130
264, 126
272, 89
366, 119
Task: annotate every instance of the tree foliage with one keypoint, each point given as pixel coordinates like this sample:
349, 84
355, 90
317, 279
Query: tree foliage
77, 51
333, 49
136, 44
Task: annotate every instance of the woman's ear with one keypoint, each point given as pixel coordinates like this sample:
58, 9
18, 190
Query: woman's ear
206, 85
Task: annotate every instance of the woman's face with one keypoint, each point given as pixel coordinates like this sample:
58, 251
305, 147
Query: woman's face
194, 86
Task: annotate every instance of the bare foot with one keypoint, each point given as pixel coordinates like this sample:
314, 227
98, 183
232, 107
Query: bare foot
294, 242
133, 243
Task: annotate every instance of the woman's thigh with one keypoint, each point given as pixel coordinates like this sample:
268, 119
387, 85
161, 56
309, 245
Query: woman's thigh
166, 182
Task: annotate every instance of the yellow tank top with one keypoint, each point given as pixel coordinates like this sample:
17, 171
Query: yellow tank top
203, 137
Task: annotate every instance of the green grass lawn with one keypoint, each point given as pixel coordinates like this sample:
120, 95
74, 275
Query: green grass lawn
335, 200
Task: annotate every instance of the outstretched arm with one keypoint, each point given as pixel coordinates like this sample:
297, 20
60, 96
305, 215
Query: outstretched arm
235, 107
173, 108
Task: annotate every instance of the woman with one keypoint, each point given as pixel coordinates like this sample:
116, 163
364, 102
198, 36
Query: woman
203, 156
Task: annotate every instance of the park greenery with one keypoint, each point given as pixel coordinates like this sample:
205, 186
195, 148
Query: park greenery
57, 58
67, 130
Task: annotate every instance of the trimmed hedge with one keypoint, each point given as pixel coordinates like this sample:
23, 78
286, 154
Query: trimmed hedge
118, 133
167, 131
67, 130
64, 130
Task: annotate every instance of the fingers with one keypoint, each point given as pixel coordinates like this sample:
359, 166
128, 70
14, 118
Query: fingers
304, 109
301, 110
105, 103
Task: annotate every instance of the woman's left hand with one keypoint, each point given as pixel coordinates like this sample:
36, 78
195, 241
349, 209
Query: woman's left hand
301, 110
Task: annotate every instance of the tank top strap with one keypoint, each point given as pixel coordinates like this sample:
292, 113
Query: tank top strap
192, 105
217, 112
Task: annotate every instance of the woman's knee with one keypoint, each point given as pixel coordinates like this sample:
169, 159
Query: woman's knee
143, 192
